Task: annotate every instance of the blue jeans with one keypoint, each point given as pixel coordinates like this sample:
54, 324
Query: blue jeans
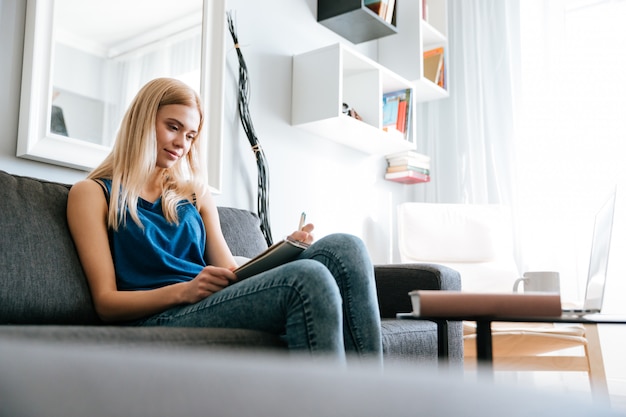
324, 302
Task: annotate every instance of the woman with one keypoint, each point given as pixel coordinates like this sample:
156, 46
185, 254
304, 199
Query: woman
148, 236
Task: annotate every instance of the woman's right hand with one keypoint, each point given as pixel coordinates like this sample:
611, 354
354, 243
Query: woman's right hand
209, 281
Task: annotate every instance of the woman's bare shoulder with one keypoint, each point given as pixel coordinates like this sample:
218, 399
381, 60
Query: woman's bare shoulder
205, 202
86, 188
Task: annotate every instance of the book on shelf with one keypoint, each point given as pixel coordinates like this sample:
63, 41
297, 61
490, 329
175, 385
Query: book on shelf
408, 158
391, 5
397, 107
390, 110
384, 8
441, 81
437, 303
401, 119
279, 253
407, 177
377, 6
399, 168
408, 162
434, 65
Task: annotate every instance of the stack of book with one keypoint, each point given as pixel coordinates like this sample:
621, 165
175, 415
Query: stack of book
434, 66
408, 167
383, 8
397, 113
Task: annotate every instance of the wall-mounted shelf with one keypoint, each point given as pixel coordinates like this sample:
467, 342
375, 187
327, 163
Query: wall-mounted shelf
408, 167
353, 20
326, 78
404, 53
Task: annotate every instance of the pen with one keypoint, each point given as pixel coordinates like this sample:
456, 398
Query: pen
302, 219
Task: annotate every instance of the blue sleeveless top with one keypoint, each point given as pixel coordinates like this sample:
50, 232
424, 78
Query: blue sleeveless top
161, 253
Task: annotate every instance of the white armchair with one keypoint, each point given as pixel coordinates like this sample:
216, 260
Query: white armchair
476, 240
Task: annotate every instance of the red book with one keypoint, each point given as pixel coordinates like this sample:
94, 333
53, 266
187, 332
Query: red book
407, 177
401, 122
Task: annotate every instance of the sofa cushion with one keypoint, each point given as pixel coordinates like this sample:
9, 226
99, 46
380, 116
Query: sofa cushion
41, 279
242, 231
152, 336
416, 340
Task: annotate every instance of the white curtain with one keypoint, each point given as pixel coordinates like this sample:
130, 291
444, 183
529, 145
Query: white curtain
469, 136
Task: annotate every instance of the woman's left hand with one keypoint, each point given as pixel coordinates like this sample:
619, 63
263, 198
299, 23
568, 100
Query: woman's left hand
304, 235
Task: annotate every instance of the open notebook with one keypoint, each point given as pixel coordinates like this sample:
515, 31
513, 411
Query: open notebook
279, 253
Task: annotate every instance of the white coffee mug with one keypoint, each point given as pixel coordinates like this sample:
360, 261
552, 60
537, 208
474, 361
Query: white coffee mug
539, 281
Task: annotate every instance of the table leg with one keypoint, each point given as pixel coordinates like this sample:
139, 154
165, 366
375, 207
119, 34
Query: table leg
484, 352
442, 341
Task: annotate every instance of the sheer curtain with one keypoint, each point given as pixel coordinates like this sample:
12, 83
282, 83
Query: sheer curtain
535, 120
469, 136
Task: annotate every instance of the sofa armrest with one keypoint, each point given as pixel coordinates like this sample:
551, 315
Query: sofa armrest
395, 281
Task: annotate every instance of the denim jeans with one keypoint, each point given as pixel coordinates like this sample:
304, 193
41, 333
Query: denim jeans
324, 302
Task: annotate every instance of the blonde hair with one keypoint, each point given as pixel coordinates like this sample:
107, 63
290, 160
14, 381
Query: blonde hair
133, 157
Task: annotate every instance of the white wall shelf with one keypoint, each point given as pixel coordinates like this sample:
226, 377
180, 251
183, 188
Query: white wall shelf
404, 52
326, 78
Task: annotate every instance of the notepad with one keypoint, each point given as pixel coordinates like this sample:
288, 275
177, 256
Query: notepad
278, 254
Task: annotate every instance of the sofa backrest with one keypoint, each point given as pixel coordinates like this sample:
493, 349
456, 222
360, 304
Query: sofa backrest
242, 231
41, 278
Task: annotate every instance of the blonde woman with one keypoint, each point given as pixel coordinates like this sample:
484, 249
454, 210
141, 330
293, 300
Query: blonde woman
149, 239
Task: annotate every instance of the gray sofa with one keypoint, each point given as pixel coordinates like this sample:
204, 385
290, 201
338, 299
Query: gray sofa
44, 294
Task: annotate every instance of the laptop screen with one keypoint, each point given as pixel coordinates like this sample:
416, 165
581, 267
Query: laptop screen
599, 259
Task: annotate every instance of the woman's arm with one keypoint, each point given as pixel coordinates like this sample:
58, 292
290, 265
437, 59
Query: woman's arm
87, 217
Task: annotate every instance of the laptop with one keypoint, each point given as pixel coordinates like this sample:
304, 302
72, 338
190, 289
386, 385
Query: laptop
598, 261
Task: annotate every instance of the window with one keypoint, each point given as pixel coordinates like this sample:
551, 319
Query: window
571, 135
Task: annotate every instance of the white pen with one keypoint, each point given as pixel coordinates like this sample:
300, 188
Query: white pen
302, 219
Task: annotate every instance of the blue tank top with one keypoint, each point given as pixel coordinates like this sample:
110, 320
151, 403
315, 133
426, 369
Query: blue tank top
161, 253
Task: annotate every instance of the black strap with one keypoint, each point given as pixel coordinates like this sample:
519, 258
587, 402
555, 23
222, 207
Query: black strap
104, 189
106, 195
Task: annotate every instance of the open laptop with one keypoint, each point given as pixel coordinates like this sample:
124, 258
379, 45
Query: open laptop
598, 261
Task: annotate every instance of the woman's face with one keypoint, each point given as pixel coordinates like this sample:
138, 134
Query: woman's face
176, 129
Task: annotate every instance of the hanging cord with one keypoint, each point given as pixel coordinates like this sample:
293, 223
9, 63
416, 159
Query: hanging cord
246, 123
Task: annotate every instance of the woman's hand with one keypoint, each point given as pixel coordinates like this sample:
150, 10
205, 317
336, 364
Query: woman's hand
304, 235
209, 281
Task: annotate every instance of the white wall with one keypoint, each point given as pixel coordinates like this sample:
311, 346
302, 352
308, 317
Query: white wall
341, 189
